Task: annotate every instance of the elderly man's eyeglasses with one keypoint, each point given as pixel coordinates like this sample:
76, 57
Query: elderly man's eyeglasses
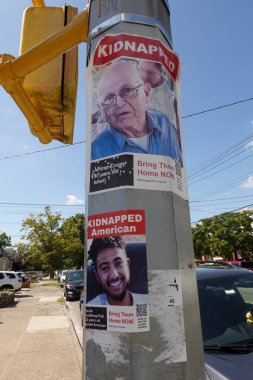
125, 93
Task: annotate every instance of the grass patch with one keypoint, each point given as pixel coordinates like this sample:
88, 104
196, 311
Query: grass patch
61, 300
7, 291
51, 283
33, 284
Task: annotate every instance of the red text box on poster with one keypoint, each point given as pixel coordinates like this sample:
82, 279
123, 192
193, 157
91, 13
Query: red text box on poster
124, 222
112, 47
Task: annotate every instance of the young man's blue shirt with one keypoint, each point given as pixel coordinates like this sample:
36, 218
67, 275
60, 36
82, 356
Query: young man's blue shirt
162, 140
101, 299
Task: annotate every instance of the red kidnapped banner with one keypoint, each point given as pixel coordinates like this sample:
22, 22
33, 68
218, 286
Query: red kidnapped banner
114, 46
125, 222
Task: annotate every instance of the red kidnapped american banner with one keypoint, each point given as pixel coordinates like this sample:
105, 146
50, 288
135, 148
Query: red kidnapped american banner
125, 222
114, 46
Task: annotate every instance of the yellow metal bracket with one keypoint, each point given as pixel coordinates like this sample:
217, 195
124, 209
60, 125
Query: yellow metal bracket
13, 70
38, 3
15, 89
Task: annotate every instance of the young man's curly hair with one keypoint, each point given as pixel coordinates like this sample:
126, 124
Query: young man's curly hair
99, 244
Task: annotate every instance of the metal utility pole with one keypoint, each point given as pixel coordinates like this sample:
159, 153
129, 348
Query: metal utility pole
142, 320
142, 313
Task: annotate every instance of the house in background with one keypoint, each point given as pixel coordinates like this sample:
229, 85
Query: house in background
7, 258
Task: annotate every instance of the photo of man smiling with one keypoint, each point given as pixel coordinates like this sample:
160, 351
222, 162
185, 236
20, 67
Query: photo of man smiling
112, 272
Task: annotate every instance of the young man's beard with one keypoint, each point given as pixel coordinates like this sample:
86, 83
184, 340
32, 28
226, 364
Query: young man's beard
121, 296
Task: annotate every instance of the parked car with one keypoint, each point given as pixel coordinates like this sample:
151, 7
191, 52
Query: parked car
10, 280
56, 274
73, 284
59, 272
24, 276
226, 309
63, 276
243, 264
213, 263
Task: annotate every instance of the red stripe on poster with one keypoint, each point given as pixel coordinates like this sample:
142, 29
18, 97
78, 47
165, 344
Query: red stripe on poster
126, 45
125, 222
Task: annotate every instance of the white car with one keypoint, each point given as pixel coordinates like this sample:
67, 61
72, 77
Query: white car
10, 280
63, 276
22, 275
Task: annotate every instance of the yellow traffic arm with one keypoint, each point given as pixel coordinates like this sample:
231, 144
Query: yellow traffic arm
15, 69
38, 3
15, 89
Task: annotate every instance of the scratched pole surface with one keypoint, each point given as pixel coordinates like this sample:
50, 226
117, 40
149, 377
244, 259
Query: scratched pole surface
127, 185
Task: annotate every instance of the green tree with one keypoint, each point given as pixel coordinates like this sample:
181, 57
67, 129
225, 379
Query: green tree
224, 235
43, 246
5, 241
73, 238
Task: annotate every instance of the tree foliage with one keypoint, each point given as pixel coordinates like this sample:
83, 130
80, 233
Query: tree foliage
224, 234
73, 235
51, 242
5, 241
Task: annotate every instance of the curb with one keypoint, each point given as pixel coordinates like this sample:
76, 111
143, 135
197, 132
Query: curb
75, 339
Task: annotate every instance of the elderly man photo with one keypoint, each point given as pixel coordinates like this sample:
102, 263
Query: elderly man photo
123, 98
112, 271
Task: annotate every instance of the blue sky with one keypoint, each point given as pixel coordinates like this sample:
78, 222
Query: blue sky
213, 39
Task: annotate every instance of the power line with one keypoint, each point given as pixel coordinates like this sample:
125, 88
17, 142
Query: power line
223, 187
217, 108
237, 209
221, 170
84, 141
29, 212
225, 156
219, 203
39, 204
41, 151
240, 208
222, 199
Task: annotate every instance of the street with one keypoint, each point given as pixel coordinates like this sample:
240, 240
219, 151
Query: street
38, 341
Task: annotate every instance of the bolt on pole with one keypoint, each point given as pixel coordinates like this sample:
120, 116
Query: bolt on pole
142, 313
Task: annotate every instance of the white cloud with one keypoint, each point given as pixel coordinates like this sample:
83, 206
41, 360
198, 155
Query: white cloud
251, 122
73, 200
248, 183
249, 145
247, 209
26, 147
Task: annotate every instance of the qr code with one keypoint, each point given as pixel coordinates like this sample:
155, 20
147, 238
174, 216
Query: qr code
141, 310
178, 169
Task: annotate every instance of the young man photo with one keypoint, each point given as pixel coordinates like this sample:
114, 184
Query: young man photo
112, 272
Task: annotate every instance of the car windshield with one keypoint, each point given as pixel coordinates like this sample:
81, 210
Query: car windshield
236, 264
72, 276
226, 308
245, 264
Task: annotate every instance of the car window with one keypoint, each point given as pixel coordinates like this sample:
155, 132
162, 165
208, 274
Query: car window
10, 275
1, 276
226, 309
72, 276
247, 264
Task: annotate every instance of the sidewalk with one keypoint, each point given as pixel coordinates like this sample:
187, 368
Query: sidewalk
37, 340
